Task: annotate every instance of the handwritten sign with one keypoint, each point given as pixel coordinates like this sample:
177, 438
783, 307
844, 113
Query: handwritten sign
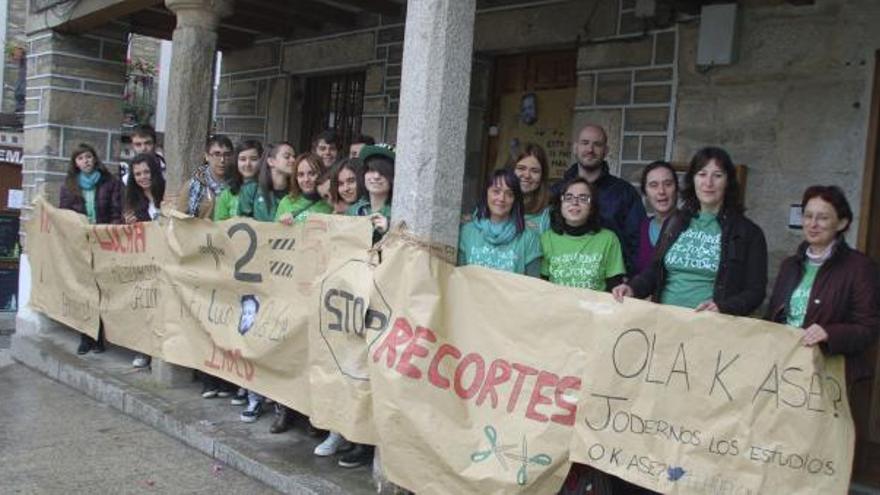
470, 380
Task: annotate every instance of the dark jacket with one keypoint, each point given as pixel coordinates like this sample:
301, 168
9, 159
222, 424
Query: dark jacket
108, 200
741, 281
844, 300
620, 207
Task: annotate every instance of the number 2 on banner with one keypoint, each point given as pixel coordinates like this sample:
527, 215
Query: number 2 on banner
248, 255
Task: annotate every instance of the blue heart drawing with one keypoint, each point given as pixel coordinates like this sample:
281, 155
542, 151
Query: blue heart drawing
675, 473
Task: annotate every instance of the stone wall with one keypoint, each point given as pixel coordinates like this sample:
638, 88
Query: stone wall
793, 107
16, 17
73, 96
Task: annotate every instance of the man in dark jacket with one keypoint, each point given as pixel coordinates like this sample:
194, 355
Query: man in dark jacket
620, 205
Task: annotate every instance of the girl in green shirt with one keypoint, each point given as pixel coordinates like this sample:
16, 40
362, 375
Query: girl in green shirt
303, 199
378, 179
578, 252
239, 173
260, 199
497, 237
530, 166
346, 183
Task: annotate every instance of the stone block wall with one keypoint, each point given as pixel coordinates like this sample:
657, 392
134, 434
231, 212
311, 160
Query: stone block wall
793, 107
73, 96
16, 17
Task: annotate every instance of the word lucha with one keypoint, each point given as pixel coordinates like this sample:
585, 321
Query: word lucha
121, 238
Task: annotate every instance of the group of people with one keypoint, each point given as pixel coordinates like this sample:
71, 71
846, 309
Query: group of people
588, 230
275, 184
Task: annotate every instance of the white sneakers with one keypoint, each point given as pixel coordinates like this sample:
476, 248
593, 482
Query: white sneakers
330, 445
141, 361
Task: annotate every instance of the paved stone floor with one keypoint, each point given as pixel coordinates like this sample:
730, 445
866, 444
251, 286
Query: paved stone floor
54, 439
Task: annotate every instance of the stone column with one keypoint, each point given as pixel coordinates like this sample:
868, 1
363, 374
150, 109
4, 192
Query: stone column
192, 74
434, 94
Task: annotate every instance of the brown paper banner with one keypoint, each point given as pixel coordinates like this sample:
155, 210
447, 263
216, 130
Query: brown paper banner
685, 402
128, 266
62, 281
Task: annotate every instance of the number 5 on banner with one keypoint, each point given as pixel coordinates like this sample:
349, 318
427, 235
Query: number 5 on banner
248, 255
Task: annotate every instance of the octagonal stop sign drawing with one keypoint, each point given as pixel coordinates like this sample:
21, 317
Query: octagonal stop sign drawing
350, 305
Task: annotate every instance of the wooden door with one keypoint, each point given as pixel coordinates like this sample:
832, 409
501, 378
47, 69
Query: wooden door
866, 396
532, 101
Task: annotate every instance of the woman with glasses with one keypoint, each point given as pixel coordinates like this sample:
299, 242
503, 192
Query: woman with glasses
578, 252
710, 257
497, 237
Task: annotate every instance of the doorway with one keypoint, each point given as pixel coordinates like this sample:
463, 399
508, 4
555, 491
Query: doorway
532, 102
866, 396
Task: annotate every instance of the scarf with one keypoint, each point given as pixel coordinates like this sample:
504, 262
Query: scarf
203, 181
88, 181
576, 231
496, 233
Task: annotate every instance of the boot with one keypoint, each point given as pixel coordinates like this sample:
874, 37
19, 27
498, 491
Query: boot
86, 344
283, 420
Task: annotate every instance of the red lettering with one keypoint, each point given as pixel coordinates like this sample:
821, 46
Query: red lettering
138, 239
434, 375
106, 244
567, 383
400, 334
212, 363
524, 371
499, 372
545, 379
121, 238
405, 367
480, 369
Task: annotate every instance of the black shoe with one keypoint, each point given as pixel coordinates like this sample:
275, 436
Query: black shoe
85, 345
99, 347
360, 455
283, 421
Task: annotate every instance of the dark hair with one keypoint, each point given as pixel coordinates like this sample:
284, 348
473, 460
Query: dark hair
355, 166
70, 181
233, 177
251, 297
219, 140
654, 166
328, 136
144, 131
835, 197
363, 138
537, 201
731, 192
510, 179
315, 164
264, 176
594, 221
385, 167
135, 199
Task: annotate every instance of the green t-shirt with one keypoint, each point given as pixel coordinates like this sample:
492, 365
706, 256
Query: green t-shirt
584, 261
692, 263
300, 208
251, 202
539, 222
226, 205
800, 298
363, 208
514, 256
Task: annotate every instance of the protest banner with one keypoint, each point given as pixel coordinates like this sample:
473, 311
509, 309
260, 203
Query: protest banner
63, 284
470, 380
685, 402
479, 375
244, 292
128, 261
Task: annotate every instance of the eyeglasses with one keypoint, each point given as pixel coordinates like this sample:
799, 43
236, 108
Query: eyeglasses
220, 154
581, 198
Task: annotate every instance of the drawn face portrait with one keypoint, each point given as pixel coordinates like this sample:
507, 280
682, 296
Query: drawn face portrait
250, 306
528, 109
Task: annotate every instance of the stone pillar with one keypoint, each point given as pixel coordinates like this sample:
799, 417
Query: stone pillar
434, 94
192, 74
